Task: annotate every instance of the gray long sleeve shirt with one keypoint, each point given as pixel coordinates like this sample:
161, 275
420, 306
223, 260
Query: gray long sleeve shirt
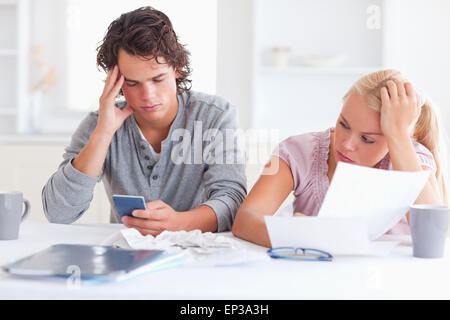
200, 163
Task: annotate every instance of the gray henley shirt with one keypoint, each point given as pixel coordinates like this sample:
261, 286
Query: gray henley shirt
199, 163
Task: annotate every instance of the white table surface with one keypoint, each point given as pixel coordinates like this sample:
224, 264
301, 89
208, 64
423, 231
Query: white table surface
396, 276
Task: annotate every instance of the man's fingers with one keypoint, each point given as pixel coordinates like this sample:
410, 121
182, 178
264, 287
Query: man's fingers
115, 90
143, 214
151, 214
112, 90
112, 93
126, 112
110, 80
157, 204
143, 225
145, 232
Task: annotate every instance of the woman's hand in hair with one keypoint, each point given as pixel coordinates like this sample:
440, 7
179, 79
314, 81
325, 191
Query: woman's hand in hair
398, 109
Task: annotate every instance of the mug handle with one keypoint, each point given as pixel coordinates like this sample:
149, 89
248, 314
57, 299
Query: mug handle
27, 209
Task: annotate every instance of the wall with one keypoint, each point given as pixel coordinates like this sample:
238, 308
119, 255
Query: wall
414, 36
417, 42
235, 55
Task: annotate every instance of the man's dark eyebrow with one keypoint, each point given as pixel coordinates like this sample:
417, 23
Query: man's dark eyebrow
154, 78
159, 75
366, 133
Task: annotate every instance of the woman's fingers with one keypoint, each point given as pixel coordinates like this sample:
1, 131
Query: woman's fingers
384, 96
299, 214
409, 89
400, 89
412, 93
392, 89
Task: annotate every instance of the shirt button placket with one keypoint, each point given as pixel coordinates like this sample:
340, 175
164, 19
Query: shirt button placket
155, 182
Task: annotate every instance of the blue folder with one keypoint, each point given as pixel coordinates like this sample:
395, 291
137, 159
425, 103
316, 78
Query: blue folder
93, 263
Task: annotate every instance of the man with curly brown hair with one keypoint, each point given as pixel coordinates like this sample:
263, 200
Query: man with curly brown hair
165, 142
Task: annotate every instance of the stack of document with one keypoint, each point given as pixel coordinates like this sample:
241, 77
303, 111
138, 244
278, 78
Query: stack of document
361, 204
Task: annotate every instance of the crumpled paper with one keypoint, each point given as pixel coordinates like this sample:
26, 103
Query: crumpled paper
201, 248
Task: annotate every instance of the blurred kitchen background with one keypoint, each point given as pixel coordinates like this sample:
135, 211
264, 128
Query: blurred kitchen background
285, 64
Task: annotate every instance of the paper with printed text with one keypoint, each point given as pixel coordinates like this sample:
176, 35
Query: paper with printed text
361, 205
380, 197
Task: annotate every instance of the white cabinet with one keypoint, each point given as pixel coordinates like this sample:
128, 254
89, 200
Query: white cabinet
26, 166
14, 51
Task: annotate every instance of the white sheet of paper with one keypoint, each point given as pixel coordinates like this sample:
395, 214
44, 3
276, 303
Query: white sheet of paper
338, 236
287, 211
380, 197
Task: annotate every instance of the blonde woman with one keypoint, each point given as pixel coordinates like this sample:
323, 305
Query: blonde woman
383, 124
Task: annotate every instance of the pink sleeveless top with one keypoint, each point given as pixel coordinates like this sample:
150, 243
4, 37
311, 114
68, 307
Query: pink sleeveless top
307, 155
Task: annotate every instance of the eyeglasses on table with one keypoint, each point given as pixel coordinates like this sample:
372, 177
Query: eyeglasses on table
303, 254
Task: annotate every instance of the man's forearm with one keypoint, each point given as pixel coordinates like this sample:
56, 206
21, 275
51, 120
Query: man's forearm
203, 218
91, 158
